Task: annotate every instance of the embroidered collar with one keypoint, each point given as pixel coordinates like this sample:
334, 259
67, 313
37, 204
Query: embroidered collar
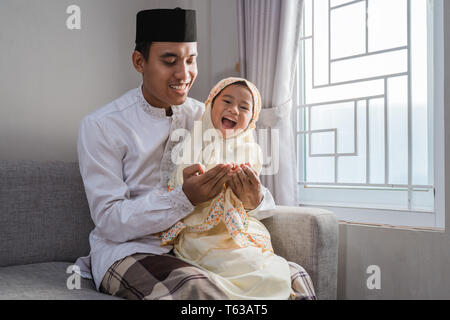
158, 112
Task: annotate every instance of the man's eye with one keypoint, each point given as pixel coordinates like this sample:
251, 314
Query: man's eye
226, 101
169, 62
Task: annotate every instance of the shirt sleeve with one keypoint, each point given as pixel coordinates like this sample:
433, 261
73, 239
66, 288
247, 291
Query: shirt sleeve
265, 208
118, 217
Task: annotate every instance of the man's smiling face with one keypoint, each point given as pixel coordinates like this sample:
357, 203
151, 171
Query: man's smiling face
169, 73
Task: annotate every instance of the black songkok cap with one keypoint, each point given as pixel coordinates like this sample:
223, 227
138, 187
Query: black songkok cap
166, 25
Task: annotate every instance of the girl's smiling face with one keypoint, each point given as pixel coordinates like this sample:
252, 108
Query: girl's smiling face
232, 110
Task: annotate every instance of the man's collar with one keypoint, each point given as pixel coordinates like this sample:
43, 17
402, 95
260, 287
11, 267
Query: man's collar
159, 112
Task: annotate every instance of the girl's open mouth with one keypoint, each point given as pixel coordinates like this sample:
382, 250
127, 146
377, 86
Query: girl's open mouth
228, 123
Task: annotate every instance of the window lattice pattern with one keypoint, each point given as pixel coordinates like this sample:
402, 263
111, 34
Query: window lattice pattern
364, 107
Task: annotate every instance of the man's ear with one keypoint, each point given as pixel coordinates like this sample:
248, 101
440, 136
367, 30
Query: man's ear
138, 61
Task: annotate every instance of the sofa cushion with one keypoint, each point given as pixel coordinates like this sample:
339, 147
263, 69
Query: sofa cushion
44, 213
44, 281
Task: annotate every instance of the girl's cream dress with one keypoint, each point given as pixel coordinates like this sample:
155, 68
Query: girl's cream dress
218, 235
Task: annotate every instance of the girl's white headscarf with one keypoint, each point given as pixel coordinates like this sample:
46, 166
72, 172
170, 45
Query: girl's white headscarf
206, 145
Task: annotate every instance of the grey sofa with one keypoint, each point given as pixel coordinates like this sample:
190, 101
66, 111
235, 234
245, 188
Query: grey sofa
45, 224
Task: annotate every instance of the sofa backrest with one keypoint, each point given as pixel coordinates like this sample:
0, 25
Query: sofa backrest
44, 214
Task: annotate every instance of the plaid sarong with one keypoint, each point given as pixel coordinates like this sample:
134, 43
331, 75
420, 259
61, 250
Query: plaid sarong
144, 276
301, 283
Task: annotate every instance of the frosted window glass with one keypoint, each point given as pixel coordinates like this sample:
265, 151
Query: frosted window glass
337, 92
421, 168
348, 36
369, 66
376, 141
363, 56
387, 24
322, 143
397, 102
334, 3
339, 117
352, 169
320, 169
321, 56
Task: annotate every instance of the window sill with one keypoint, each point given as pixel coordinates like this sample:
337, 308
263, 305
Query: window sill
401, 219
387, 226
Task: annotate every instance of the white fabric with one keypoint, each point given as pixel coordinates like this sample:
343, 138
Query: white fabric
124, 153
246, 273
268, 43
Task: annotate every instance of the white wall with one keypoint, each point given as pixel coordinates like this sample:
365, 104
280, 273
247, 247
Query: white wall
217, 43
51, 76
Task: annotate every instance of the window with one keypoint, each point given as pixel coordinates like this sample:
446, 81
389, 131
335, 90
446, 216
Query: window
369, 137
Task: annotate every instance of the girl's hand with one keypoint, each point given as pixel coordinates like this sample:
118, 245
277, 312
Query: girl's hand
246, 186
235, 168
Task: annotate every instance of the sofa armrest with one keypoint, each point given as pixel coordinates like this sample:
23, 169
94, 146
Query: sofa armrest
308, 237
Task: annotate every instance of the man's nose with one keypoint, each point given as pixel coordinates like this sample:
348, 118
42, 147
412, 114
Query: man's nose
183, 72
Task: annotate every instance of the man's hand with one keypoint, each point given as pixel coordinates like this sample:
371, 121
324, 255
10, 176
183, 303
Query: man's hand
246, 186
200, 186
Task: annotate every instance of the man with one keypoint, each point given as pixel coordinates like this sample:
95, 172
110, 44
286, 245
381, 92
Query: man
124, 152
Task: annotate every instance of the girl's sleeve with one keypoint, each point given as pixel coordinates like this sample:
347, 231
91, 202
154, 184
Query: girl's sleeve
265, 208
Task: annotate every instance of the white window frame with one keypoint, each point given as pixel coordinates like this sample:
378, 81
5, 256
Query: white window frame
406, 218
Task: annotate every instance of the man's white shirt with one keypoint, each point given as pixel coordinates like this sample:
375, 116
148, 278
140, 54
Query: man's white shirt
124, 153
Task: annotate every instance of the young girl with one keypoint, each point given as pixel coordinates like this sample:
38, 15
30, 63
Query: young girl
218, 235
